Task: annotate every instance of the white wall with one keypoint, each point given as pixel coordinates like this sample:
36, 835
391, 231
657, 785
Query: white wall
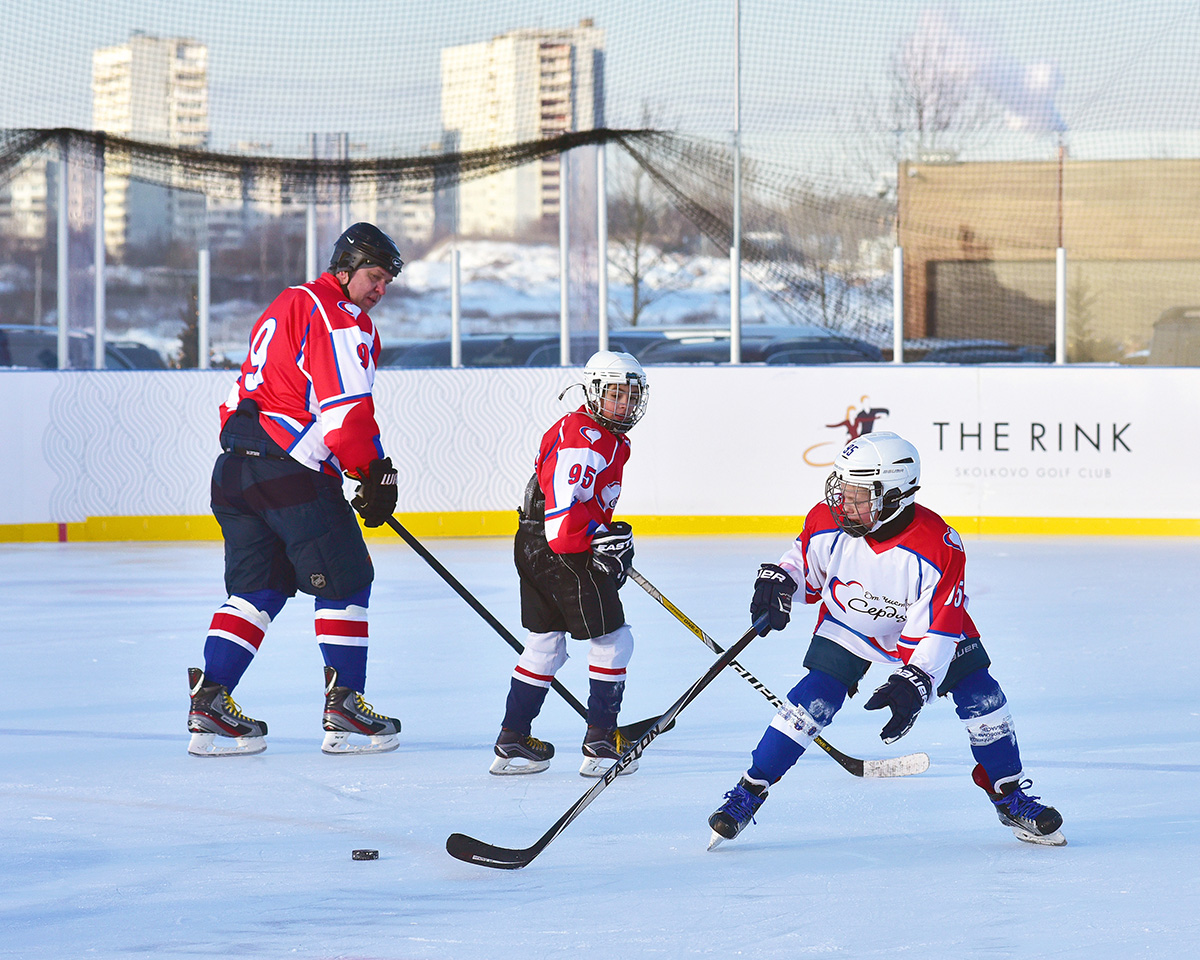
716, 441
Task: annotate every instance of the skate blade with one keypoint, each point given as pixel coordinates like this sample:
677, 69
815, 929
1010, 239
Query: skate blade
513, 766
337, 743
1055, 839
715, 840
210, 745
598, 767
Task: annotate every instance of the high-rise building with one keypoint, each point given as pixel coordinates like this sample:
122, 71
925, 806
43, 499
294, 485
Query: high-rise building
523, 85
153, 89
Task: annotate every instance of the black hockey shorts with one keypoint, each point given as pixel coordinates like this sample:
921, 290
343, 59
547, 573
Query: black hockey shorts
287, 528
563, 592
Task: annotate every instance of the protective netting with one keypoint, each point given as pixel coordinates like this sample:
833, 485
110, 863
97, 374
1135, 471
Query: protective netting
988, 142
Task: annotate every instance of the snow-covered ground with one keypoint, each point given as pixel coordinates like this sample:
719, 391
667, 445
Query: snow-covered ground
513, 288
116, 844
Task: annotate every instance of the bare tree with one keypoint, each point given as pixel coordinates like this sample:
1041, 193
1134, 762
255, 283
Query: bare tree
934, 104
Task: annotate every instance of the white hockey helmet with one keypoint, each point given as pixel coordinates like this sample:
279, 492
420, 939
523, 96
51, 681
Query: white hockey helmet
879, 471
603, 376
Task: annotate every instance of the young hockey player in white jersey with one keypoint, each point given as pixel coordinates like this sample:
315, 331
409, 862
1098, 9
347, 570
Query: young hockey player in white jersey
889, 577
571, 559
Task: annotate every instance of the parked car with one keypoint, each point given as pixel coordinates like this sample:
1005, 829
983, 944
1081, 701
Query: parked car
650, 345
36, 348
512, 350
131, 355
632, 342
822, 350
759, 344
993, 352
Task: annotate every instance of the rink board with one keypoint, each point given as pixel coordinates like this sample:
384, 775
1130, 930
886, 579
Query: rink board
1020, 449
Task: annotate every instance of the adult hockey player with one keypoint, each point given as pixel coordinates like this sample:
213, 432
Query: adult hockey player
571, 559
889, 577
300, 415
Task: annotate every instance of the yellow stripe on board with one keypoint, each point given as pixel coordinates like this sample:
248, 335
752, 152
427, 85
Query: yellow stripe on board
503, 523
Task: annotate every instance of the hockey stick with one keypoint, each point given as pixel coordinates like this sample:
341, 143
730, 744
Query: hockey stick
895, 767
630, 731
470, 850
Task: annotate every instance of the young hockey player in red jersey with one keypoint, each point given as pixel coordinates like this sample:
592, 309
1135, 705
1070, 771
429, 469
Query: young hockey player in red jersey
299, 416
571, 559
889, 576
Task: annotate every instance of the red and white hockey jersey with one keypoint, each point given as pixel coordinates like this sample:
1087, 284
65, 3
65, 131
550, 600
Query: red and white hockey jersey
900, 601
579, 467
311, 370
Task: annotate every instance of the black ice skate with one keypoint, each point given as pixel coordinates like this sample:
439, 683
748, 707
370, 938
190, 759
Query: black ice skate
217, 725
346, 713
520, 753
601, 749
737, 812
1030, 820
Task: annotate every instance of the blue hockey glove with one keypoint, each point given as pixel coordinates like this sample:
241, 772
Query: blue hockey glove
612, 552
773, 591
906, 692
375, 498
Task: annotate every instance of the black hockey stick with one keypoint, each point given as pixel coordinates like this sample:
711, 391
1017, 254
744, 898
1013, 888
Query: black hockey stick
631, 731
470, 850
895, 767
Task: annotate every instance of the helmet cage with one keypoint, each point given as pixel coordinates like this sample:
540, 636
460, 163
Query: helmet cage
835, 497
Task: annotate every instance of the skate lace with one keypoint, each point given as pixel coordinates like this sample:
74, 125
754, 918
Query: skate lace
232, 708
1022, 804
741, 803
365, 708
620, 741
535, 744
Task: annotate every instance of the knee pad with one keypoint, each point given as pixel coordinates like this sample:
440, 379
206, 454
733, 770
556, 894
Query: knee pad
821, 695
990, 728
817, 697
609, 655
268, 602
796, 723
544, 654
977, 695
343, 622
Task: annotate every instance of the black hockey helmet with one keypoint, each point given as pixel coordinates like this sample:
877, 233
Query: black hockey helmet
364, 244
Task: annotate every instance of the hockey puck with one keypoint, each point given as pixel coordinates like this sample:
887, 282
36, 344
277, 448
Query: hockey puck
364, 855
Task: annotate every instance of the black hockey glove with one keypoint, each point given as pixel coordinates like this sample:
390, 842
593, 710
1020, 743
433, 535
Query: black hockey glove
375, 498
612, 552
906, 692
773, 596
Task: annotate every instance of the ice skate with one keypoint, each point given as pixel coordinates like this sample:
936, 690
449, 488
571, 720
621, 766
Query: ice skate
601, 749
1030, 820
217, 724
733, 816
518, 753
347, 713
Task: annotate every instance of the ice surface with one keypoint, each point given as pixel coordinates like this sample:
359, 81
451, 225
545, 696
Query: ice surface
116, 844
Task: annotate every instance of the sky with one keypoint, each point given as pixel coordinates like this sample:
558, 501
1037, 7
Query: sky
116, 845
279, 70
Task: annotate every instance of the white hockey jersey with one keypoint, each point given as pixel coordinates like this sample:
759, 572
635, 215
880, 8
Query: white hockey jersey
900, 601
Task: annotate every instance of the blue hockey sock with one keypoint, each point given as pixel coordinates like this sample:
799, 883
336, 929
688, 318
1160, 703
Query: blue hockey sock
981, 705
818, 696
604, 703
236, 631
524, 704
342, 633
